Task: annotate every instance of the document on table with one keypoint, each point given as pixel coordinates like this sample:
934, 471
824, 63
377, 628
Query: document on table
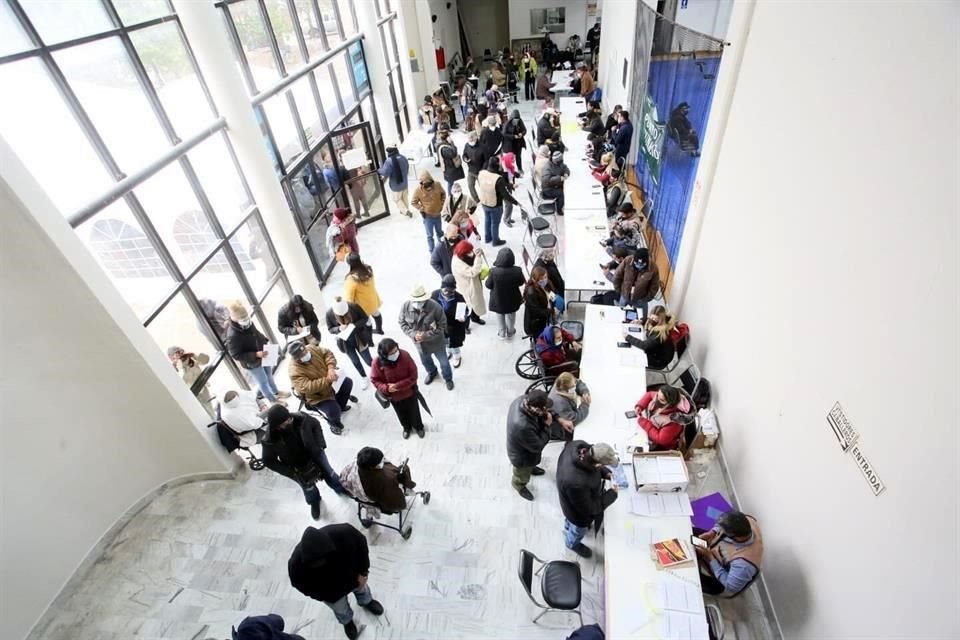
346, 332
273, 355
676, 625
674, 595
638, 536
635, 358
661, 504
650, 469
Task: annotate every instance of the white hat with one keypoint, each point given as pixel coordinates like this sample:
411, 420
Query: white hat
419, 294
340, 307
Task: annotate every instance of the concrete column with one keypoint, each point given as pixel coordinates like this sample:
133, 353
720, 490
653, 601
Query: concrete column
427, 53
377, 69
205, 30
404, 19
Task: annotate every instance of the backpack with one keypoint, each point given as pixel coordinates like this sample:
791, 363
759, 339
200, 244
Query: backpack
457, 162
607, 298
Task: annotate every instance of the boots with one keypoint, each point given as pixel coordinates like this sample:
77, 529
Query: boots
352, 630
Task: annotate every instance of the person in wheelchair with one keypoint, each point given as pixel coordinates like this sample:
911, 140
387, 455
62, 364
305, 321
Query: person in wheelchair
557, 349
571, 400
387, 486
664, 414
244, 415
681, 129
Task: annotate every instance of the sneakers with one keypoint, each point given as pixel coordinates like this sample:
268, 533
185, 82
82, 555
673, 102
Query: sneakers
537, 471
582, 550
352, 630
456, 362
374, 607
525, 493
430, 378
364, 383
449, 388
421, 433
315, 510
336, 430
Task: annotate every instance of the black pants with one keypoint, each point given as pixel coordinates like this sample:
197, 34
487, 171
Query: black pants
528, 83
333, 408
408, 412
708, 584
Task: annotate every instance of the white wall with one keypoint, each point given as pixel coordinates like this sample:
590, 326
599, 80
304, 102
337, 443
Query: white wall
87, 425
706, 16
446, 30
827, 271
487, 25
575, 17
617, 42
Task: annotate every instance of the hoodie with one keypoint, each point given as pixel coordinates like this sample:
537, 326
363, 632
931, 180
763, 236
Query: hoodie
268, 627
505, 283
514, 132
327, 562
428, 197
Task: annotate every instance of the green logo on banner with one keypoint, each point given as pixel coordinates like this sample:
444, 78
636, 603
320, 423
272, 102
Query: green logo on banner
651, 138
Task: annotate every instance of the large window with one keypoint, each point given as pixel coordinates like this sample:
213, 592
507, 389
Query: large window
388, 40
107, 90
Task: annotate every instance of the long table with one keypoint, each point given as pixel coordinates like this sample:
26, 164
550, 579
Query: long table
631, 577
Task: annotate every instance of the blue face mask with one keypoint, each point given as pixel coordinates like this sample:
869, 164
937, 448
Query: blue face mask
542, 283
306, 358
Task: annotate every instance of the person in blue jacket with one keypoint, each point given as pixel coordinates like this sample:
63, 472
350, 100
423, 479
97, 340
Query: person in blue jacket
621, 139
396, 168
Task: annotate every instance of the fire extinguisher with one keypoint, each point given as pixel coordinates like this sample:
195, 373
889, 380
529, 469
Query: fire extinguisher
441, 58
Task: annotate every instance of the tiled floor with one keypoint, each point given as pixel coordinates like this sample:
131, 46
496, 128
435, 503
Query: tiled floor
203, 556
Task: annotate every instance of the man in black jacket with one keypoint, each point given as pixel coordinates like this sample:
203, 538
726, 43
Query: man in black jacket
528, 432
547, 129
580, 476
327, 565
297, 315
476, 159
295, 447
442, 257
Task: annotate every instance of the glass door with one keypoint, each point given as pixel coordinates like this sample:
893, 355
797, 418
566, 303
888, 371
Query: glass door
357, 160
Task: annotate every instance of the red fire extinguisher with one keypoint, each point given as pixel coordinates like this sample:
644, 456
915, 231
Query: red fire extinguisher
441, 58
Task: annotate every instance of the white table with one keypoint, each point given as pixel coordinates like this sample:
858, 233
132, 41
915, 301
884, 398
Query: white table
561, 81
631, 575
584, 229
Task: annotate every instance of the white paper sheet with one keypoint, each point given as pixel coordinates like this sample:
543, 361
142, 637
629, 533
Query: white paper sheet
657, 469
303, 335
353, 159
661, 504
674, 595
339, 381
346, 332
675, 625
638, 536
633, 357
461, 312
273, 355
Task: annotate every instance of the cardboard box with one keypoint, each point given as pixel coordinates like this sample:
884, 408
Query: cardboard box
661, 471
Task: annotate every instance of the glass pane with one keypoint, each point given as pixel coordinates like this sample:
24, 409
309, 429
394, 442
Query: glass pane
310, 27
394, 50
125, 253
218, 282
102, 76
387, 49
342, 72
61, 20
167, 62
173, 210
310, 190
12, 37
317, 245
307, 106
220, 180
278, 296
250, 246
282, 23
222, 380
34, 120
284, 128
135, 11
328, 97
256, 44
329, 19
366, 105
347, 17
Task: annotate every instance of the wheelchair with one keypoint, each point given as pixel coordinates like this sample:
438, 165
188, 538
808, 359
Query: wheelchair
228, 438
367, 510
531, 367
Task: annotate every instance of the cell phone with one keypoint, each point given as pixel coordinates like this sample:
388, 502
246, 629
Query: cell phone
634, 329
623, 345
698, 542
630, 414
630, 314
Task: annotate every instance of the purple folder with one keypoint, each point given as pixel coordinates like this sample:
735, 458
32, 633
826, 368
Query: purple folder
708, 509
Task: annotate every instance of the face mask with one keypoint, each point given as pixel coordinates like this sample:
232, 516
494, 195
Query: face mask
470, 255
457, 193
380, 464
392, 357
542, 283
426, 185
448, 293
418, 305
305, 359
244, 324
558, 341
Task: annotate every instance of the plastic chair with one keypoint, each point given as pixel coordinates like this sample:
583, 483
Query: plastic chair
559, 584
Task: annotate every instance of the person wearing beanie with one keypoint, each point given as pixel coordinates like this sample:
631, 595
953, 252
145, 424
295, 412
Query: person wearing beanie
190, 366
396, 169
350, 320
245, 344
294, 447
327, 565
424, 322
637, 281
581, 471
442, 257
452, 302
359, 287
528, 432
297, 316
505, 283
428, 198
394, 374
384, 483
554, 176
268, 627
345, 222
476, 159
467, 269
313, 374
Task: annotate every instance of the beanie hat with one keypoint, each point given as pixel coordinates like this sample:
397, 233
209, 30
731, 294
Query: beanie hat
448, 282
340, 307
237, 311
557, 157
276, 415
295, 348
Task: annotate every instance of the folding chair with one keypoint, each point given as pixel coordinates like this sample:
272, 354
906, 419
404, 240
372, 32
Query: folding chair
559, 584
538, 232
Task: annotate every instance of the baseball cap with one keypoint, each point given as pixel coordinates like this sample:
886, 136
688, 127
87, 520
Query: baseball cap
604, 453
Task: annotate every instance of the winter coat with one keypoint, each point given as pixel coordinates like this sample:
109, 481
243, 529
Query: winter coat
580, 485
546, 131
456, 330
636, 286
451, 205
286, 319
491, 141
621, 140
539, 165
664, 425
553, 175
402, 373
538, 310
659, 350
268, 627
309, 379
587, 84
363, 293
505, 283
542, 89
514, 134
475, 157
327, 562
557, 284
430, 320
243, 344
527, 66
362, 336
552, 354
296, 451
191, 370
385, 487
396, 169
451, 172
242, 416
429, 201
442, 257
566, 406
469, 283
526, 435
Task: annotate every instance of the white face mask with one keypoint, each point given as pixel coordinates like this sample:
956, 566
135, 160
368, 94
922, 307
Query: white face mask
380, 464
417, 305
457, 193
558, 341
306, 358
245, 323
393, 357
542, 283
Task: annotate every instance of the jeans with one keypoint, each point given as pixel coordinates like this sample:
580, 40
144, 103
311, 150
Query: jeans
528, 84
334, 408
434, 227
264, 379
506, 323
355, 357
310, 492
442, 358
572, 534
341, 608
491, 223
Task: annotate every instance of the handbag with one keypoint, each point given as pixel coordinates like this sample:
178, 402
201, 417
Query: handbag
382, 399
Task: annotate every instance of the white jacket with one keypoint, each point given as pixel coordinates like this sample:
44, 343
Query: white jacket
242, 415
469, 284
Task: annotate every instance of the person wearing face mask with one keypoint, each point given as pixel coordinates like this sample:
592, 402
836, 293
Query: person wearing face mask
571, 400
463, 220
581, 471
554, 176
543, 88
515, 138
663, 414
546, 129
658, 343
313, 372
424, 322
450, 162
442, 257
538, 307
491, 138
245, 344
395, 169
528, 74
428, 198
190, 366
394, 374
294, 447
244, 416
626, 229
466, 269
556, 347
343, 316
476, 159
637, 281
359, 288
458, 201
296, 316
731, 560
528, 432
449, 299
385, 484
548, 261
621, 139
493, 191
505, 283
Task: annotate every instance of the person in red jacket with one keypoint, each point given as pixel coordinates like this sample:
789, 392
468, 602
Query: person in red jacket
556, 346
348, 228
664, 414
394, 374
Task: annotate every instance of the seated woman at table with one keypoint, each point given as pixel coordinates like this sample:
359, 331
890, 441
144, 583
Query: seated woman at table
664, 414
543, 87
548, 260
658, 344
625, 231
604, 173
538, 299
556, 347
571, 400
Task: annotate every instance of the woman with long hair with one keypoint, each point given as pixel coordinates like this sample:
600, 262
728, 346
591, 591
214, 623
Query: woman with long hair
538, 301
657, 344
360, 288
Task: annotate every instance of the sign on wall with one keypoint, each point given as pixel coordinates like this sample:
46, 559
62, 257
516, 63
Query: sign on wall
849, 441
358, 64
651, 137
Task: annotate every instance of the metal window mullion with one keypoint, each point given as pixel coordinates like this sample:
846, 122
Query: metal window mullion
272, 38
336, 13
323, 32
146, 225
283, 83
298, 31
316, 96
336, 88
163, 303
196, 68
272, 138
205, 205
238, 45
269, 287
